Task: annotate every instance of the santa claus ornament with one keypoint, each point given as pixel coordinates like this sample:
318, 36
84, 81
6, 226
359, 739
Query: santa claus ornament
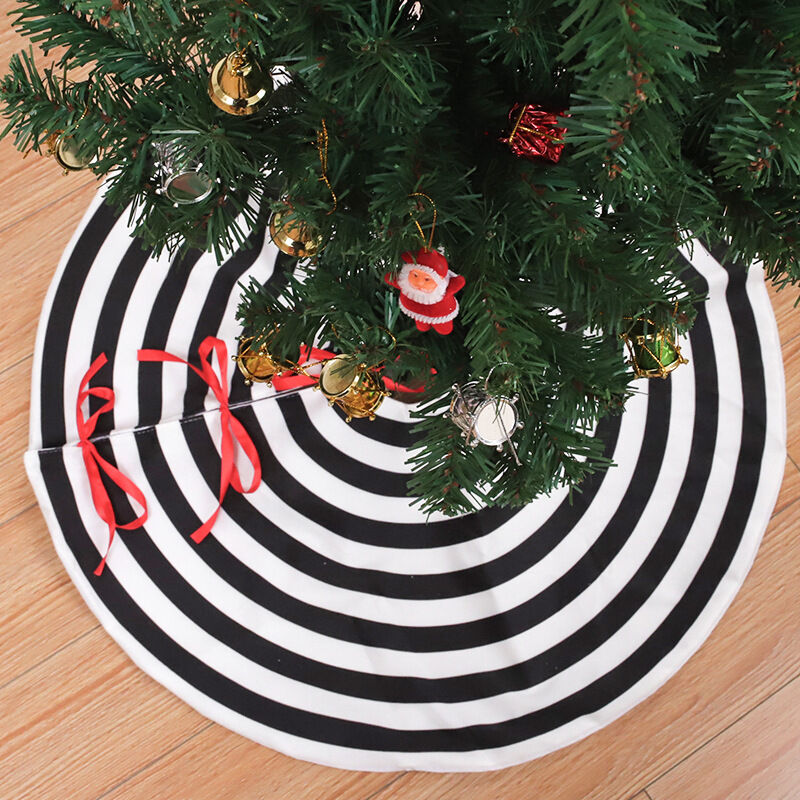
427, 290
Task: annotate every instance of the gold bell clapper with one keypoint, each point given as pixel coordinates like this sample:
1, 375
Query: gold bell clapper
653, 352
293, 237
348, 384
257, 364
238, 85
68, 153
484, 418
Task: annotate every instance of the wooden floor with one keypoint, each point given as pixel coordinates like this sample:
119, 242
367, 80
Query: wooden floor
78, 721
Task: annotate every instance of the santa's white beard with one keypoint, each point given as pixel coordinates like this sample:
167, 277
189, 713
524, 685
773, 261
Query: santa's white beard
426, 298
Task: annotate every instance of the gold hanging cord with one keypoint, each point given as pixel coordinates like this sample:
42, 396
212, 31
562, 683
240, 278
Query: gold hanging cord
429, 242
322, 148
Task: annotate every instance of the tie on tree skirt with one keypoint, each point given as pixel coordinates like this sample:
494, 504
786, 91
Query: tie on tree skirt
322, 617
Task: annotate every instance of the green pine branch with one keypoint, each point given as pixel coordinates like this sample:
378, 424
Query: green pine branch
681, 118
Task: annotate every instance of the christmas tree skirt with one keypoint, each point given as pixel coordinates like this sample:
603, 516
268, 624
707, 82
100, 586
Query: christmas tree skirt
323, 616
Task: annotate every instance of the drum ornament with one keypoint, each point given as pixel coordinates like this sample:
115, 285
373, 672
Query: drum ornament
485, 418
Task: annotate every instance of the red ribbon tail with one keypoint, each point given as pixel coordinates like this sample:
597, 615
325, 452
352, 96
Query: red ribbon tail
394, 386
290, 380
102, 565
206, 527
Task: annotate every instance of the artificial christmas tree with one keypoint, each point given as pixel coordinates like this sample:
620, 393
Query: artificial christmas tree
565, 150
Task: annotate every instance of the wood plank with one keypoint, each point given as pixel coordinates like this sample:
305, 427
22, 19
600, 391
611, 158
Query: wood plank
40, 609
791, 367
33, 183
790, 488
14, 388
31, 251
254, 770
787, 315
718, 684
79, 722
10, 41
758, 757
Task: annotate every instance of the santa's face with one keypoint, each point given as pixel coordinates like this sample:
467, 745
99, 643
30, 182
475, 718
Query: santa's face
421, 281
421, 284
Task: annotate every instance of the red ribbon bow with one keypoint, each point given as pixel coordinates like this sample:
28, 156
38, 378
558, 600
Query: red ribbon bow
94, 462
232, 430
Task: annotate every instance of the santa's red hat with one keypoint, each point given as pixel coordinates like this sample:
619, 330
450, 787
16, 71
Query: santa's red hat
430, 260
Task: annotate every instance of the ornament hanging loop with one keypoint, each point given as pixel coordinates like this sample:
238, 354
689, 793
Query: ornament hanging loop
489, 373
429, 242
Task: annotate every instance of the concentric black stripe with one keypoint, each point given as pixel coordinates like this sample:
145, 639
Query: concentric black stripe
383, 430
156, 333
210, 314
59, 323
350, 470
359, 529
163, 313
418, 587
379, 582
109, 322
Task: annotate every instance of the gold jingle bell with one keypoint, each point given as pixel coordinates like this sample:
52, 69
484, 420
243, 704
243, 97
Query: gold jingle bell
351, 386
238, 85
654, 353
68, 153
293, 237
257, 365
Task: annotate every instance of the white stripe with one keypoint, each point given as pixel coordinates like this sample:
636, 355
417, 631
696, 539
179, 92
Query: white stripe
184, 323
131, 337
323, 484
397, 411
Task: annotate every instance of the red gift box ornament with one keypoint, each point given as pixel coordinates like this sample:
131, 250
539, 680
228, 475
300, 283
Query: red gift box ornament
535, 133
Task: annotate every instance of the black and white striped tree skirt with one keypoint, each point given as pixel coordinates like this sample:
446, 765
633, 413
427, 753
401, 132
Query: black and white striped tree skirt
323, 617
